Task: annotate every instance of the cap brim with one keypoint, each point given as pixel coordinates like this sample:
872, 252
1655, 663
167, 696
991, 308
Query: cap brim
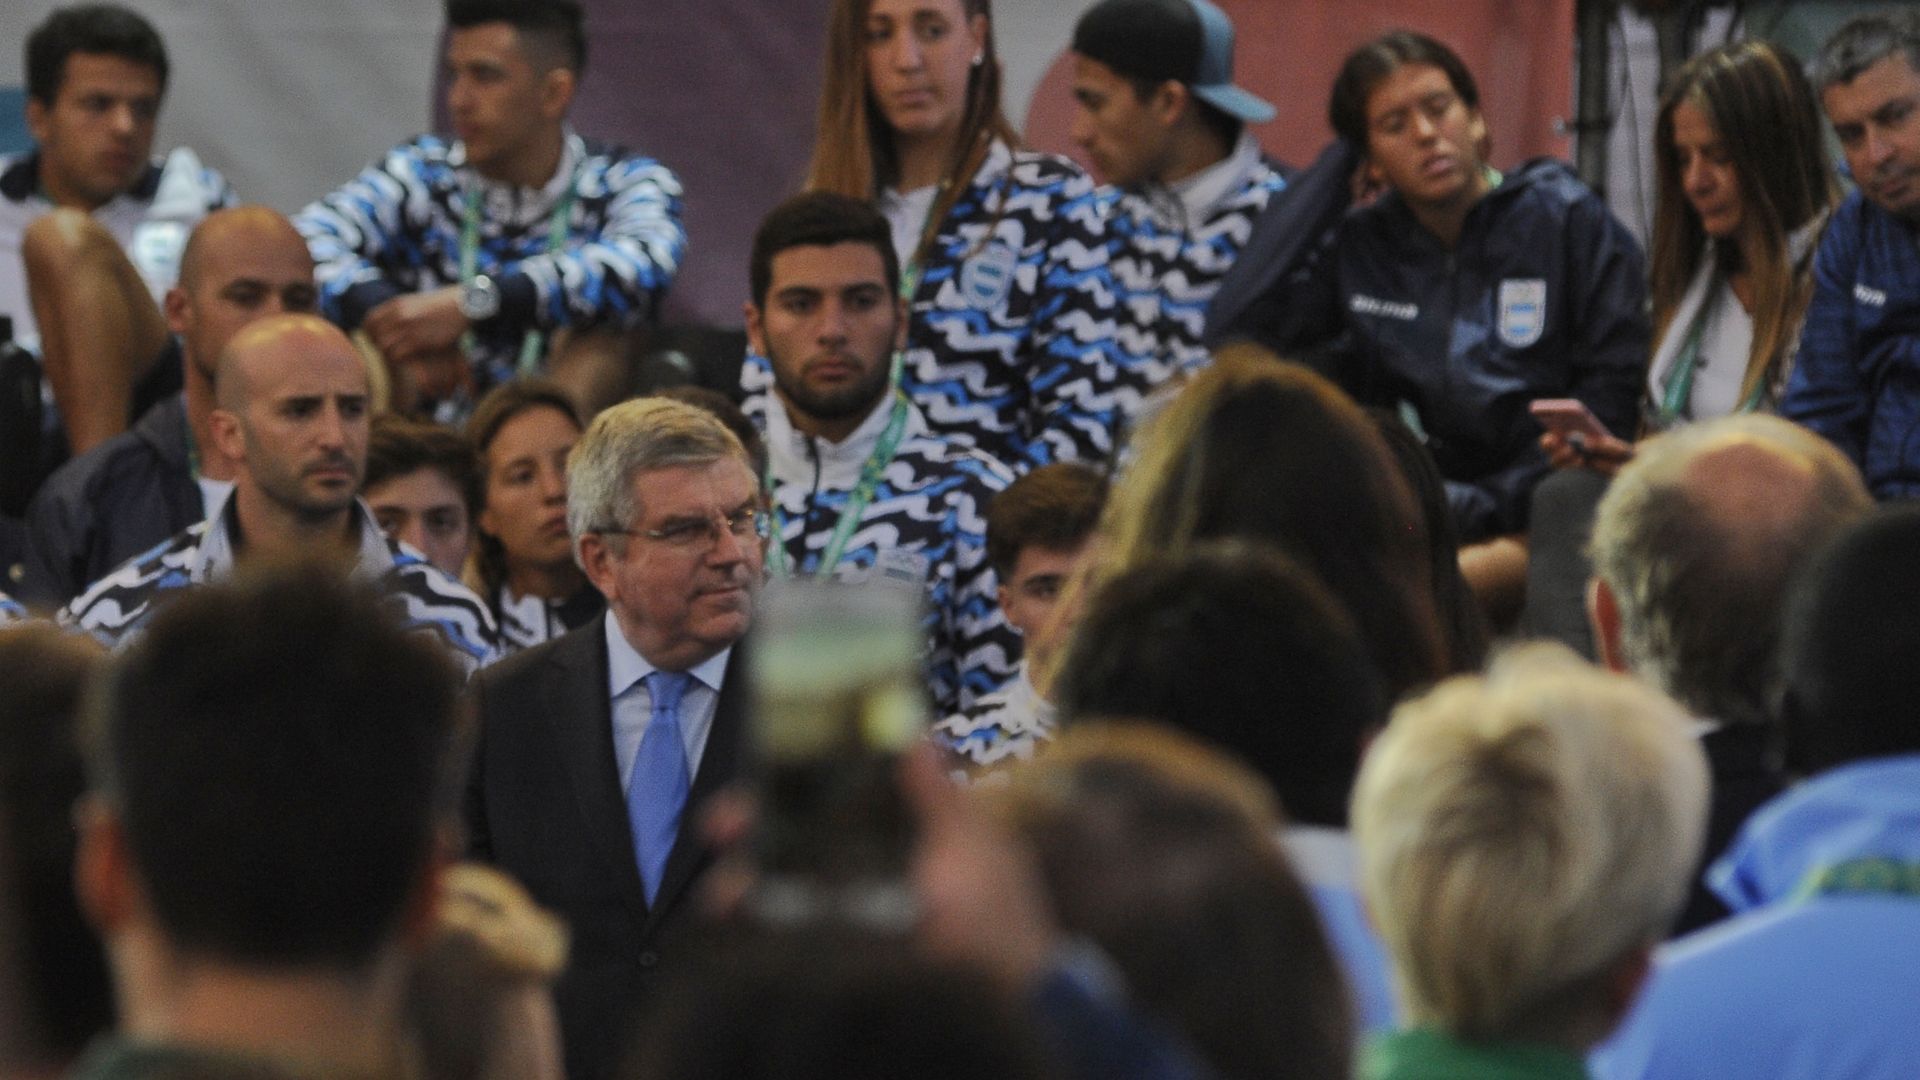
1236, 103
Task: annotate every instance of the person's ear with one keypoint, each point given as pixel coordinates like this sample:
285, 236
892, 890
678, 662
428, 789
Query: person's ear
1482, 141
38, 123
596, 558
229, 437
1168, 100
1603, 615
176, 309
756, 327
103, 880
421, 916
899, 323
557, 88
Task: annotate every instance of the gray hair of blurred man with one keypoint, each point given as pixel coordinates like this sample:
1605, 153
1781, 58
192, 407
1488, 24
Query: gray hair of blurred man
1525, 839
634, 437
1694, 547
1864, 42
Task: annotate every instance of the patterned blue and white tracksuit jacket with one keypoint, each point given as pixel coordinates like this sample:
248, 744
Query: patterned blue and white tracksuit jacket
1011, 343
1167, 262
926, 523
396, 229
117, 607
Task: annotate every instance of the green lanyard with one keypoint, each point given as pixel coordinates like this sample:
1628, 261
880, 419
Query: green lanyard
779, 564
1679, 392
534, 341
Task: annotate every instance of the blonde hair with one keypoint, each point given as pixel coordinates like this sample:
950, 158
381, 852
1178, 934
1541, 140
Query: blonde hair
1521, 834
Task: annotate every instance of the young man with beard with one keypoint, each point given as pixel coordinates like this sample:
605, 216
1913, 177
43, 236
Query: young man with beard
862, 489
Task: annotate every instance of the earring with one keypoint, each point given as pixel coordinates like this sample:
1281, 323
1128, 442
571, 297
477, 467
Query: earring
979, 58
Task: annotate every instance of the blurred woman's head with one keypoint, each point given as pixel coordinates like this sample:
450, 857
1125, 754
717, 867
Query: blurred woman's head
1238, 646
1268, 451
902, 70
523, 431
1164, 854
1739, 145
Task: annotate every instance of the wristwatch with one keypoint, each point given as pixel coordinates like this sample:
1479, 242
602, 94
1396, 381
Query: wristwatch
479, 299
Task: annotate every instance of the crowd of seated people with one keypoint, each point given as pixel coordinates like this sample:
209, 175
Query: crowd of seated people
394, 688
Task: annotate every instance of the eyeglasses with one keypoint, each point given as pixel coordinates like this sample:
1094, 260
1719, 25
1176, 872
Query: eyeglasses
704, 534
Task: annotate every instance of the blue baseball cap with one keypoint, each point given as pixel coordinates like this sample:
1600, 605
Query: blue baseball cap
1190, 41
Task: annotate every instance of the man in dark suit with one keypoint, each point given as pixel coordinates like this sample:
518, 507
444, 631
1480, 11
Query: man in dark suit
597, 749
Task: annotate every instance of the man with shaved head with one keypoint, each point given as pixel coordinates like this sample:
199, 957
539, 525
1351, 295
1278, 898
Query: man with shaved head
1693, 549
142, 486
291, 413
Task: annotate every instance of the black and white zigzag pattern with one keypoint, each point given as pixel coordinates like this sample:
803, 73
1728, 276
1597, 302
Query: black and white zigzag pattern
118, 607
927, 518
1004, 727
399, 222
1167, 273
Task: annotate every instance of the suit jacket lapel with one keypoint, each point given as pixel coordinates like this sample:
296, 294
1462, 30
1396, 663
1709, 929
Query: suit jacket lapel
581, 717
720, 765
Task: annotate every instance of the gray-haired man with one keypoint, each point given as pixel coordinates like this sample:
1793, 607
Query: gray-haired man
598, 748
1693, 548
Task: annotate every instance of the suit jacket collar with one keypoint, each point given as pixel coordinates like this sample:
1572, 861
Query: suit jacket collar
581, 718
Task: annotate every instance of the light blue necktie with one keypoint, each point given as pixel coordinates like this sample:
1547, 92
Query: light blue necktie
657, 787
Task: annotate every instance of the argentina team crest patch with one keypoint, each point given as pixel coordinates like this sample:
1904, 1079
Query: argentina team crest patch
1523, 311
987, 277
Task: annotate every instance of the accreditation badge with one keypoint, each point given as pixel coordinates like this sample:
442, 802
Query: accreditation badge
987, 277
899, 567
1523, 311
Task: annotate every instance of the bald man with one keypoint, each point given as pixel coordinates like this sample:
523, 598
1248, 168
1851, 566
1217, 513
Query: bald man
146, 484
1693, 548
291, 411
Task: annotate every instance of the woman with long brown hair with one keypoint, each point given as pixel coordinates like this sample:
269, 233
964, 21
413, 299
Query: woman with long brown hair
1012, 320
1744, 187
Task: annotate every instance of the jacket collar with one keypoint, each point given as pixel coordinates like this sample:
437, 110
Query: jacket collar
20, 180
523, 205
1425, 1054
1205, 192
793, 456
1867, 811
215, 554
164, 429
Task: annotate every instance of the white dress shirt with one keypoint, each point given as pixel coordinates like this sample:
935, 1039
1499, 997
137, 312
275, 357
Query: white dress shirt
633, 705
